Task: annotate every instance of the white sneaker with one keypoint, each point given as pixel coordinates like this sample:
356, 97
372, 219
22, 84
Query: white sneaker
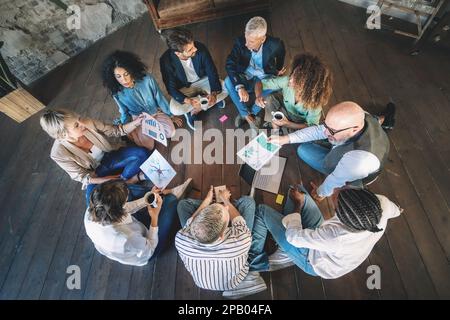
252, 283
220, 104
180, 190
279, 260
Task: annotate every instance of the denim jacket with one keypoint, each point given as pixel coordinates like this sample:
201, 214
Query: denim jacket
145, 96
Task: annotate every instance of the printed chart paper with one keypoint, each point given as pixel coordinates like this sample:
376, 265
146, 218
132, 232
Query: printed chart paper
258, 152
158, 170
152, 128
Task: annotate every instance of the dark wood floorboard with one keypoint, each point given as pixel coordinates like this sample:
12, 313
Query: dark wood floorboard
41, 220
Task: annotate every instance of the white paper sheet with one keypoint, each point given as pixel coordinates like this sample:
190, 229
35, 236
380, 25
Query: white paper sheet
152, 128
158, 170
258, 152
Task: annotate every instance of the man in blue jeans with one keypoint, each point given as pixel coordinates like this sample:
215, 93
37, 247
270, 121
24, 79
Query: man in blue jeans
254, 56
215, 245
357, 150
268, 219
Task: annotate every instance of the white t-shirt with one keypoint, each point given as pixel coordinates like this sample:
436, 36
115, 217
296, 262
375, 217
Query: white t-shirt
334, 249
96, 153
188, 67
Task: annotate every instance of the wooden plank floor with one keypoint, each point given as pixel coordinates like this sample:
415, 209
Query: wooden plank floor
41, 218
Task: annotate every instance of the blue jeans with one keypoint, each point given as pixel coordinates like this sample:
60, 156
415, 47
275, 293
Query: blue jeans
166, 218
249, 85
246, 207
267, 219
313, 155
126, 160
166, 222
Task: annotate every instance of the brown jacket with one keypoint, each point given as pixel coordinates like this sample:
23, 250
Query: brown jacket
77, 162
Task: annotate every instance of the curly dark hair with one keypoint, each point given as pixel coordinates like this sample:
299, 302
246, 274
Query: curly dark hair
312, 79
123, 59
177, 38
106, 202
359, 210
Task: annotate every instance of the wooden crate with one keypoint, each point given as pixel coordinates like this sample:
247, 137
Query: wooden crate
20, 105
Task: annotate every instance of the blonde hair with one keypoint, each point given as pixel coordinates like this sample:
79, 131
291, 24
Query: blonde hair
209, 224
54, 122
256, 26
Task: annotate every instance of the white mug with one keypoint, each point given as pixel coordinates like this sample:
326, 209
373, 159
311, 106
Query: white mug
278, 115
203, 102
150, 199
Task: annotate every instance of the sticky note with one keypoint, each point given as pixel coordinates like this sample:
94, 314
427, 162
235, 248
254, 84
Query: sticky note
223, 118
279, 199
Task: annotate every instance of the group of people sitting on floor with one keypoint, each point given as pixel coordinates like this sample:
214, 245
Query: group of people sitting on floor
221, 241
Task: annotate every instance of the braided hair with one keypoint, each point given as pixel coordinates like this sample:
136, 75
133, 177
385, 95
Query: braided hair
106, 202
359, 210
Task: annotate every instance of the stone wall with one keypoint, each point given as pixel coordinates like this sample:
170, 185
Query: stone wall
37, 37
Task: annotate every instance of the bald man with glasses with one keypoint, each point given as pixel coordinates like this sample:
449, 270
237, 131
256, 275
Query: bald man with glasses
359, 148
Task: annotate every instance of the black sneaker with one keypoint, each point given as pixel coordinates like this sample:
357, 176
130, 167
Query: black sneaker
190, 120
389, 117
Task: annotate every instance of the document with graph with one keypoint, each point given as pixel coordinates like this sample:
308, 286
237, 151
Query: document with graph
258, 152
152, 128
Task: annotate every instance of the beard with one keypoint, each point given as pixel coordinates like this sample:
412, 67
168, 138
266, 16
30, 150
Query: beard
337, 143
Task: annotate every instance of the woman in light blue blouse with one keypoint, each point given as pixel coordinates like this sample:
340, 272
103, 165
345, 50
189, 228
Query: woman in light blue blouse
303, 93
137, 92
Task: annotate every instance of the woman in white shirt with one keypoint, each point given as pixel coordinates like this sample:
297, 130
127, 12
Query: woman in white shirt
332, 248
113, 226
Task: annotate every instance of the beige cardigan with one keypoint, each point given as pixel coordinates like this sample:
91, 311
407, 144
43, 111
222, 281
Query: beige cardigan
77, 162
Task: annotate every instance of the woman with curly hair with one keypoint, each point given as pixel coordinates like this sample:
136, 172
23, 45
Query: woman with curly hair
135, 92
300, 96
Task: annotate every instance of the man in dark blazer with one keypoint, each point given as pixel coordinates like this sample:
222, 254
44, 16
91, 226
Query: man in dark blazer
190, 76
254, 56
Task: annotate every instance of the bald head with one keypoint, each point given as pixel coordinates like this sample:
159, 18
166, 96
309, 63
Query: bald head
345, 115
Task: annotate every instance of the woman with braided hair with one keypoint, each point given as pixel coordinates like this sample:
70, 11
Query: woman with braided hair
359, 210
331, 248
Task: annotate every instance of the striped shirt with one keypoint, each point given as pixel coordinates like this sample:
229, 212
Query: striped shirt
220, 265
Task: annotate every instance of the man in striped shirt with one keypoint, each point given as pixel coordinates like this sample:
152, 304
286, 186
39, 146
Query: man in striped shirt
219, 256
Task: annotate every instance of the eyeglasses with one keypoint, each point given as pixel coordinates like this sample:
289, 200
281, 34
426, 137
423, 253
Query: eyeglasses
333, 132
